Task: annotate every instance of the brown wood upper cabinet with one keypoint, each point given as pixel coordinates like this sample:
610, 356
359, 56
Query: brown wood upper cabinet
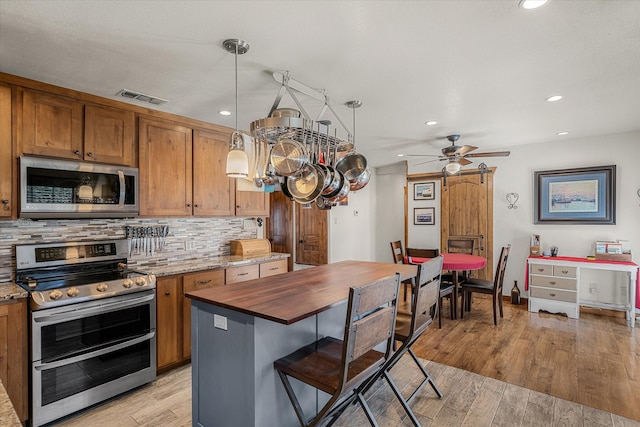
166, 174
57, 126
5, 152
213, 192
252, 203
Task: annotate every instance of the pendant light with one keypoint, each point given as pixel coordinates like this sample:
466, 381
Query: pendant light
237, 159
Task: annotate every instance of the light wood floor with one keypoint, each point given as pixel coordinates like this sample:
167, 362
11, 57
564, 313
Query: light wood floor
469, 400
594, 361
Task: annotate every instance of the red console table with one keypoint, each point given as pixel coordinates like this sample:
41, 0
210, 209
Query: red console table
555, 285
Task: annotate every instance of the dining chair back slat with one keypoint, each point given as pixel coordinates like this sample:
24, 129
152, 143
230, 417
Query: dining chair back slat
461, 246
397, 252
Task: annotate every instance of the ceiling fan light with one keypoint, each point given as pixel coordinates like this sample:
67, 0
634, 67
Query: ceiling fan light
553, 98
453, 168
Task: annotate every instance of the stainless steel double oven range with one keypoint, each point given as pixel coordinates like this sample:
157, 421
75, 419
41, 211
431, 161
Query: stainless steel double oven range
93, 324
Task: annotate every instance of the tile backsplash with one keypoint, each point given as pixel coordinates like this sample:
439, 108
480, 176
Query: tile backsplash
205, 237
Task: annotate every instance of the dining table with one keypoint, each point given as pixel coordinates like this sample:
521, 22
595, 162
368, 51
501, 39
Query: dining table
454, 262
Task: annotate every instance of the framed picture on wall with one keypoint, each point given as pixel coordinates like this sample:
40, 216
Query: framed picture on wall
575, 196
424, 191
424, 216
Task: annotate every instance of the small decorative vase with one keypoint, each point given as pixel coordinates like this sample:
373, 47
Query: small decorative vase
515, 293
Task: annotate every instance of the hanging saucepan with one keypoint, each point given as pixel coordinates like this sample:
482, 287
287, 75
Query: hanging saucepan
324, 204
307, 187
361, 181
352, 165
341, 193
335, 183
288, 157
285, 188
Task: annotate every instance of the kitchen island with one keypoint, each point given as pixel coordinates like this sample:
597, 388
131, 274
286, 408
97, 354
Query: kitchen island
237, 332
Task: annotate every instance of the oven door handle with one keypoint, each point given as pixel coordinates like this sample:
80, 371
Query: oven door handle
96, 353
74, 314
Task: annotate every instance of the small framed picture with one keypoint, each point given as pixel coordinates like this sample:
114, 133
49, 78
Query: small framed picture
424, 191
424, 216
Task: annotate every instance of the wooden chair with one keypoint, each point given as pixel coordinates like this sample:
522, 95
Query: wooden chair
398, 258
486, 287
446, 288
410, 326
459, 246
340, 368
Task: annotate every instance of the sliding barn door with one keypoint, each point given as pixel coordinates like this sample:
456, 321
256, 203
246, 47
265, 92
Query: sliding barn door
467, 211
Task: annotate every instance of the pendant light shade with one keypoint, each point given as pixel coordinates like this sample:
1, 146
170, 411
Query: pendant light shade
237, 159
453, 168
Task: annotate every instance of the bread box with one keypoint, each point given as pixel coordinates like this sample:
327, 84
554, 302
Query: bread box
250, 247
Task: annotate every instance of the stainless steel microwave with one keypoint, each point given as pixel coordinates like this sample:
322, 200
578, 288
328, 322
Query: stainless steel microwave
53, 188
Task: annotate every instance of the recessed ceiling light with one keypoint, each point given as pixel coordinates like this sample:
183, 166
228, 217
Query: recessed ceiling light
224, 113
401, 155
431, 123
531, 4
554, 98
564, 132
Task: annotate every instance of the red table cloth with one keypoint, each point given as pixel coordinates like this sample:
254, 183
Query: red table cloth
595, 261
457, 262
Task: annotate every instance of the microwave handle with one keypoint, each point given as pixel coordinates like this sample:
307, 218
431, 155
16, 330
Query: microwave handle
122, 189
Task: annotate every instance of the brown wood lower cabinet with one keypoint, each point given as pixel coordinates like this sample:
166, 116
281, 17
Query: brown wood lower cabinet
173, 308
14, 337
193, 282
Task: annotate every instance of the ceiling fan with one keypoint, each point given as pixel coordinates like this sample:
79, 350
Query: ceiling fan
457, 155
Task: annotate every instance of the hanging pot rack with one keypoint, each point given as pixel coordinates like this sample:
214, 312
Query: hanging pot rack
302, 129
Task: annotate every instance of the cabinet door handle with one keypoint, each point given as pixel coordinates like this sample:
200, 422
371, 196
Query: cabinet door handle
552, 282
552, 295
5, 201
541, 269
188, 205
273, 268
90, 154
167, 293
196, 205
203, 282
77, 152
242, 274
565, 271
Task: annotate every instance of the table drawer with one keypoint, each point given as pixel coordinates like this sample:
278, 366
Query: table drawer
554, 294
564, 271
272, 268
241, 274
541, 269
553, 282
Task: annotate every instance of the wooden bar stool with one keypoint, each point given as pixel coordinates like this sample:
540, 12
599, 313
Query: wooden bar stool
340, 368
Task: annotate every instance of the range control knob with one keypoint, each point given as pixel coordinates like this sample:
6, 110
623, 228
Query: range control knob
127, 283
56, 294
102, 287
141, 281
72, 292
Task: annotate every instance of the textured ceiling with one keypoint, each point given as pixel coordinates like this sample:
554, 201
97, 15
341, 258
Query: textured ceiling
480, 68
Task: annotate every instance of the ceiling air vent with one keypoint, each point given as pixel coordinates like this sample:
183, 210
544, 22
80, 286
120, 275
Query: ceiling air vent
126, 93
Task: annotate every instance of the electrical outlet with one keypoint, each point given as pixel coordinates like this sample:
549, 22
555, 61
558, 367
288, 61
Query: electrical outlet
593, 288
189, 245
219, 322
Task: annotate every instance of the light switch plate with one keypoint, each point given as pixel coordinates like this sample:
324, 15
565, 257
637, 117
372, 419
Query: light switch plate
219, 322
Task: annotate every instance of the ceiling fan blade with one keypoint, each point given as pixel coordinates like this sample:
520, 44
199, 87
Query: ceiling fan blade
428, 161
465, 149
464, 161
421, 155
490, 154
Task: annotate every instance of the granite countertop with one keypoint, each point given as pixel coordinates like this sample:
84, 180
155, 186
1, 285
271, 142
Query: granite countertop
7, 413
10, 290
201, 264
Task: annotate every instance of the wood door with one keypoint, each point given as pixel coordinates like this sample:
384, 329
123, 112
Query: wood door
279, 227
52, 125
467, 211
252, 203
109, 136
311, 234
14, 335
165, 168
194, 282
168, 317
5, 152
213, 192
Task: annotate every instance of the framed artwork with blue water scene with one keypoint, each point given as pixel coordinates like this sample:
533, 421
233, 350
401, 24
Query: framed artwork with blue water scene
575, 196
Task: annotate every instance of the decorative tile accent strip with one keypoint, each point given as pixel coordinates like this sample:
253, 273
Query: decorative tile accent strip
205, 237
